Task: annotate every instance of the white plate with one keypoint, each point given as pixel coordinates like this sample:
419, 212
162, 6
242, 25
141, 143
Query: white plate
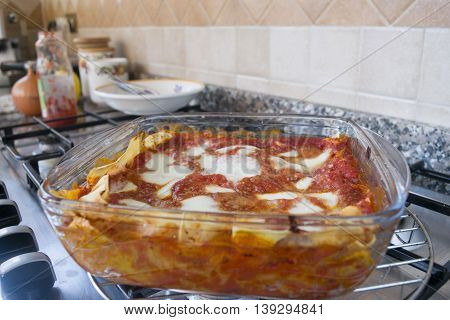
172, 94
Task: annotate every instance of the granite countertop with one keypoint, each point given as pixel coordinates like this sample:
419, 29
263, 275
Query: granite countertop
416, 141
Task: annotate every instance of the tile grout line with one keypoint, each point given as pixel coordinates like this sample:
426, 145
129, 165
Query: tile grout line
380, 13
259, 19
360, 54
311, 21
306, 12
156, 15
141, 4
324, 10
210, 19
405, 11
210, 22
421, 67
220, 12
245, 8
266, 12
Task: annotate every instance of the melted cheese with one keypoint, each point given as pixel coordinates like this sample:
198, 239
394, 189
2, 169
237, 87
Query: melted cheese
134, 203
304, 206
213, 188
158, 161
243, 149
127, 187
166, 174
279, 163
166, 190
315, 163
200, 203
305, 165
304, 183
99, 192
330, 199
277, 196
233, 167
195, 151
289, 154
208, 162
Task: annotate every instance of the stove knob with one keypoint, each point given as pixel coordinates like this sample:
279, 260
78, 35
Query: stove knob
15, 241
3, 191
9, 214
27, 276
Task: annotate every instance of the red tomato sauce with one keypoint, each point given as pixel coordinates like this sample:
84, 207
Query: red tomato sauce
340, 174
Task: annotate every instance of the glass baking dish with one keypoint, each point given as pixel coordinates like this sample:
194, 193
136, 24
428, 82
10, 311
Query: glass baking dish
330, 256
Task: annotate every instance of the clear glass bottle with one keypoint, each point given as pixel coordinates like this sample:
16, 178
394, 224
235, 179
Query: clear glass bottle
55, 80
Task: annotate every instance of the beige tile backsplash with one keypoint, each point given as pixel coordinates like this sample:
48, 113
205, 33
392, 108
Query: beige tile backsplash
395, 69
126, 13
252, 51
222, 40
332, 52
435, 82
357, 54
289, 54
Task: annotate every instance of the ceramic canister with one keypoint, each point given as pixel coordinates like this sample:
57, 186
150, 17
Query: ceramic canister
100, 72
91, 42
90, 54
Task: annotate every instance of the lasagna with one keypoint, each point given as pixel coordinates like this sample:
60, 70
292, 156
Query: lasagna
222, 211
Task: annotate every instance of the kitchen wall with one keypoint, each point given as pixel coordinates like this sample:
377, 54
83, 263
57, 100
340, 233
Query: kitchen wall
388, 57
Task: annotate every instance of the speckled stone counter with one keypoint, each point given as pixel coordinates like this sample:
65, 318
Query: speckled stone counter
416, 141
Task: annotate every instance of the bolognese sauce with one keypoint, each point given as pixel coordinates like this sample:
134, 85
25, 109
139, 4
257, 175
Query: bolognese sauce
248, 174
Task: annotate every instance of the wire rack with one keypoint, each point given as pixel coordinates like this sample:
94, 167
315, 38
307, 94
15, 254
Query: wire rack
407, 270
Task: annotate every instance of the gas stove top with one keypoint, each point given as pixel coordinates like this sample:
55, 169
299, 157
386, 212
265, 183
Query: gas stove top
414, 267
